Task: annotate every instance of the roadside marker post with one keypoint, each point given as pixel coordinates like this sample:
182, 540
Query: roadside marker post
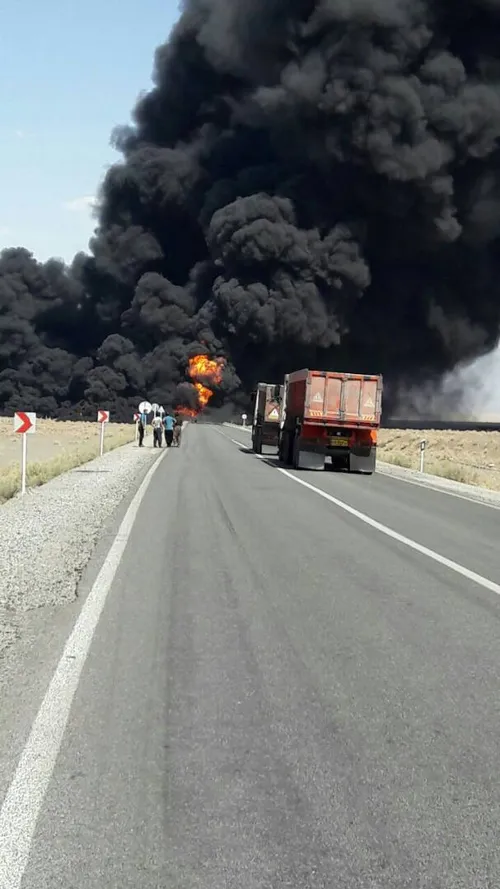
102, 419
24, 424
423, 445
244, 419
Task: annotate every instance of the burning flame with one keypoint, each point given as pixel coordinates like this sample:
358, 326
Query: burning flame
210, 371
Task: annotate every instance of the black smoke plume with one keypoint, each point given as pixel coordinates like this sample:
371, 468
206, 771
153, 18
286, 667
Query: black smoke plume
308, 183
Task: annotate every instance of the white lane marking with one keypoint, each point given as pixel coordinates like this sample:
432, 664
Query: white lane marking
412, 544
24, 799
431, 484
384, 529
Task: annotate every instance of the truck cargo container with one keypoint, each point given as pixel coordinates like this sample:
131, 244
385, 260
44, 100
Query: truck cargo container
266, 416
330, 418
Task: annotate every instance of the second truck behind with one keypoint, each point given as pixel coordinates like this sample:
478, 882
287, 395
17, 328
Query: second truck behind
266, 416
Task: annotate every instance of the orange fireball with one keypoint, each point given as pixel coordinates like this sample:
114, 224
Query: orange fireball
210, 370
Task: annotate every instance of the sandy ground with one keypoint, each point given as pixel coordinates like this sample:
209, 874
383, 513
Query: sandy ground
52, 439
471, 457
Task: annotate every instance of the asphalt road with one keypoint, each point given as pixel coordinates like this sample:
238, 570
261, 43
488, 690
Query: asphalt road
280, 695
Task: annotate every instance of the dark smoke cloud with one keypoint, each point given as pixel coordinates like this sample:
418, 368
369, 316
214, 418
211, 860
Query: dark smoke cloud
309, 182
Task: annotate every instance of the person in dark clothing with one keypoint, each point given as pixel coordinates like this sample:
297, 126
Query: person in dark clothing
140, 431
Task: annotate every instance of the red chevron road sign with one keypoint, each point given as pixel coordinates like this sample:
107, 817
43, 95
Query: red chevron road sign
24, 422
103, 416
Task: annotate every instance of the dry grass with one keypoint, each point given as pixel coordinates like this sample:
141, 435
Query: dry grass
56, 447
469, 457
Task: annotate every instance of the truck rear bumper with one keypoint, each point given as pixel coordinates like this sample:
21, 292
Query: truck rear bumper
357, 459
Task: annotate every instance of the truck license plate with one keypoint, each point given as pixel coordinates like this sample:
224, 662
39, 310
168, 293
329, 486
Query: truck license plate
339, 442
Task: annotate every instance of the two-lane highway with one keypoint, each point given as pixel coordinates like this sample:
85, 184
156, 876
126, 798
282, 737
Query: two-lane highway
281, 694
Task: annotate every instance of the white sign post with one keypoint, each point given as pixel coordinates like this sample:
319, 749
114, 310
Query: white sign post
244, 419
102, 419
24, 424
423, 445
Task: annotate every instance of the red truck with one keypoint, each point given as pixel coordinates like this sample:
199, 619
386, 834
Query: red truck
266, 416
330, 416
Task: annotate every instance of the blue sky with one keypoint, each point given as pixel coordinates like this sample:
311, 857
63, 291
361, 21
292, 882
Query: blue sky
69, 72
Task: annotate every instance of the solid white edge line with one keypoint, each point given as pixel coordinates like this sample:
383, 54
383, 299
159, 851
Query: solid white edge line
412, 544
384, 529
429, 484
24, 799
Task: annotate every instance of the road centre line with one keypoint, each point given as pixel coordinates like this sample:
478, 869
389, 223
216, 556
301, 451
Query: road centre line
384, 529
24, 799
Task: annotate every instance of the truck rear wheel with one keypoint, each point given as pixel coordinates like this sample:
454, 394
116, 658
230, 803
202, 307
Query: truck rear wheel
285, 449
257, 441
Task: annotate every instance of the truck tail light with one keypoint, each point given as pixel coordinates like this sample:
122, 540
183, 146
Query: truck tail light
365, 437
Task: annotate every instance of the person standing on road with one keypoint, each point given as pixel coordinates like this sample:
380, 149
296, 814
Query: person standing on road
140, 431
169, 423
177, 429
157, 431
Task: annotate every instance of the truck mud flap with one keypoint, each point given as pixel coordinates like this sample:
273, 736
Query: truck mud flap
306, 459
364, 462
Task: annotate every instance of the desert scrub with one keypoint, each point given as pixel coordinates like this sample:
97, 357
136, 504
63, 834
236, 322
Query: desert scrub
398, 460
472, 458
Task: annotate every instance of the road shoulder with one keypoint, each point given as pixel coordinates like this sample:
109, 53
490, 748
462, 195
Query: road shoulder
27, 666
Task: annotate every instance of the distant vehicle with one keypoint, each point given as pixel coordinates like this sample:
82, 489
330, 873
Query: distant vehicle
328, 416
266, 416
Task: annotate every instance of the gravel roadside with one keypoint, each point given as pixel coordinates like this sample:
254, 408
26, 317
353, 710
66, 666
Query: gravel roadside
48, 536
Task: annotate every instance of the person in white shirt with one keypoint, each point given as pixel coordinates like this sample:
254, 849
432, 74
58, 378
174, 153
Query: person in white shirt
157, 431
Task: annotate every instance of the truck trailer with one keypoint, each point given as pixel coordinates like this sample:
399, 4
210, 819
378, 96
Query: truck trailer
266, 416
329, 417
